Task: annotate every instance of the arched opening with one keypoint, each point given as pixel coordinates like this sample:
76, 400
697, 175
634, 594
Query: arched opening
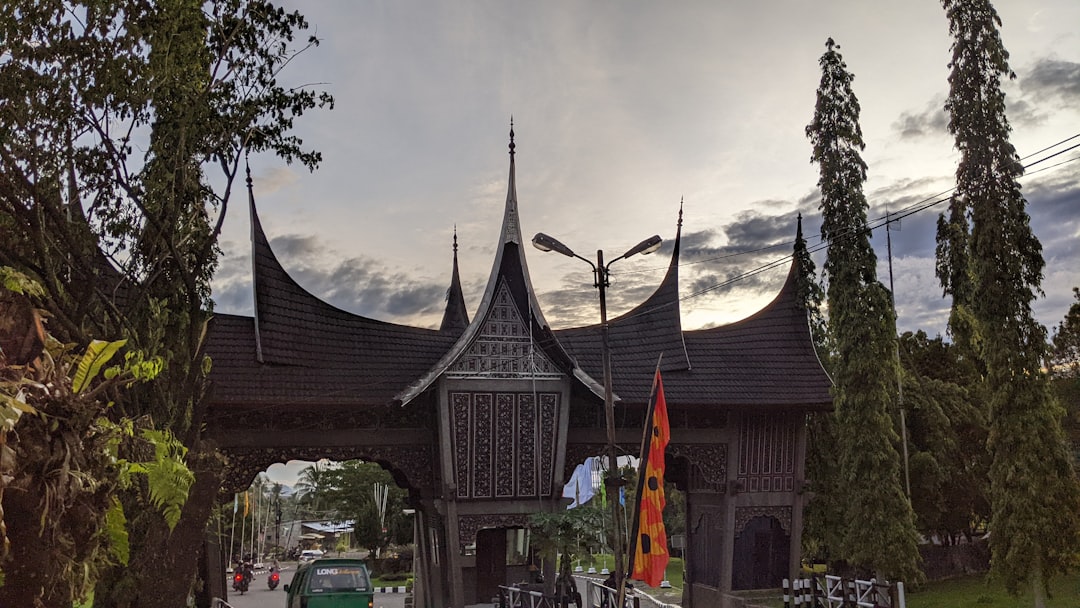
302, 510
762, 551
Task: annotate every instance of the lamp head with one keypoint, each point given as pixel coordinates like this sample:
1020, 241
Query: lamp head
544, 242
645, 247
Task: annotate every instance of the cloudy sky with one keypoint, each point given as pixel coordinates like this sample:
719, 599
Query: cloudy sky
621, 109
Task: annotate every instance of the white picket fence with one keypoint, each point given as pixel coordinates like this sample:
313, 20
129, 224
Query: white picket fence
837, 592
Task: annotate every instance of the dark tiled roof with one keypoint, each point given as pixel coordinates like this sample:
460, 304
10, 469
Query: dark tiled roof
766, 360
237, 378
298, 346
298, 349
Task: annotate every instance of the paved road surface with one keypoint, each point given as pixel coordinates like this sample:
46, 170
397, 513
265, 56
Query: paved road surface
259, 596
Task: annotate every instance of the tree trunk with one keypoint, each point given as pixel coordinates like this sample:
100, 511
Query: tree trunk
1038, 587
169, 563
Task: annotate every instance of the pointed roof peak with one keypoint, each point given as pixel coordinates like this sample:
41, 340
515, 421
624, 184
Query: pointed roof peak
456, 315
512, 146
679, 224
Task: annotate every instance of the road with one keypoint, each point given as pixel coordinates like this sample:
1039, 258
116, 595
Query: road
259, 596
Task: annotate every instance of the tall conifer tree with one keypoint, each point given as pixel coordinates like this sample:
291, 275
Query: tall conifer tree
879, 534
824, 511
1035, 497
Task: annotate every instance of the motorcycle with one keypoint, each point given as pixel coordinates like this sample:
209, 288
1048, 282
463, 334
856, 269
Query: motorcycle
240, 582
273, 580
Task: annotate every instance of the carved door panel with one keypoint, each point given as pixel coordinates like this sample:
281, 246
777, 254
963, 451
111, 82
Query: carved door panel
762, 551
490, 563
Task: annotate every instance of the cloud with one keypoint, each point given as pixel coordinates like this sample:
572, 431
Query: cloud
1048, 81
1053, 78
360, 285
932, 120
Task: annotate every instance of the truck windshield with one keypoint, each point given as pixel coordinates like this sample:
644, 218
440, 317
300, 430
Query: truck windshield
330, 579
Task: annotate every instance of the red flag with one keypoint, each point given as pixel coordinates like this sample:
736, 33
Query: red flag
650, 543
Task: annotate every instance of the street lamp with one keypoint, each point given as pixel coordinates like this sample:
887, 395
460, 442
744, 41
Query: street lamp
544, 242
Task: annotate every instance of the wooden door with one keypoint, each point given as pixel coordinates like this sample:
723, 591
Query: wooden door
490, 563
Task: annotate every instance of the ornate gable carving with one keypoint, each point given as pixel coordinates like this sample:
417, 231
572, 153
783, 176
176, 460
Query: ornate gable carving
504, 347
503, 443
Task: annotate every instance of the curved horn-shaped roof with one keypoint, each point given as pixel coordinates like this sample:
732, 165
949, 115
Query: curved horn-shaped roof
509, 288
298, 347
765, 360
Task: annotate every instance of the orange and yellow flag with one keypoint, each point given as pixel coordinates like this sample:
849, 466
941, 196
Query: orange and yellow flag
650, 542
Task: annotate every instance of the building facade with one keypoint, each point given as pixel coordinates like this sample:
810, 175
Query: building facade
484, 419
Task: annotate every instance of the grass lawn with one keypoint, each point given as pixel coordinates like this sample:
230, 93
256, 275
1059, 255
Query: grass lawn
378, 582
974, 592
674, 569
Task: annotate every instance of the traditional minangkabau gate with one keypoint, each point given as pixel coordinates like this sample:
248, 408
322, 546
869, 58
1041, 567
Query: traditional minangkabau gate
484, 421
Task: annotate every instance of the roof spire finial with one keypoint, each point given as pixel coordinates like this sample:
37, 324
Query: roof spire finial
455, 239
247, 168
681, 199
512, 135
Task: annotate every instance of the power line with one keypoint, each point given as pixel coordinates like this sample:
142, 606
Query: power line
916, 207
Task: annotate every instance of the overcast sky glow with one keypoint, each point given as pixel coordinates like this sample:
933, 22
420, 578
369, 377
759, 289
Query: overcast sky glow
621, 109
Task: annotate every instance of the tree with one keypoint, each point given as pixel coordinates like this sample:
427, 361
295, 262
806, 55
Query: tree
879, 533
312, 487
824, 510
1034, 532
1065, 354
566, 535
1065, 368
948, 429
349, 492
60, 521
112, 115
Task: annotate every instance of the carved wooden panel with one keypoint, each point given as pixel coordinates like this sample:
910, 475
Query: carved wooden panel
743, 515
709, 464
469, 525
504, 347
527, 464
503, 444
706, 550
767, 453
412, 465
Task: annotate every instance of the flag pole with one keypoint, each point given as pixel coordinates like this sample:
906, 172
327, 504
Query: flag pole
642, 462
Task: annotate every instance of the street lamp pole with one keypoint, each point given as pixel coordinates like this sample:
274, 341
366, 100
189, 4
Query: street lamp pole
614, 480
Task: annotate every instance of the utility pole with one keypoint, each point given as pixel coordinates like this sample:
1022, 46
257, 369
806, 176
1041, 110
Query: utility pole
899, 370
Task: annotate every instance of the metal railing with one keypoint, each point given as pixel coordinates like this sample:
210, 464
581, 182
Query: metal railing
516, 597
836, 592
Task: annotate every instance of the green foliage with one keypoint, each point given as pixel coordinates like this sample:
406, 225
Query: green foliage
97, 354
168, 478
348, 492
571, 533
61, 508
114, 116
948, 428
116, 531
1034, 491
878, 533
17, 282
1065, 352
